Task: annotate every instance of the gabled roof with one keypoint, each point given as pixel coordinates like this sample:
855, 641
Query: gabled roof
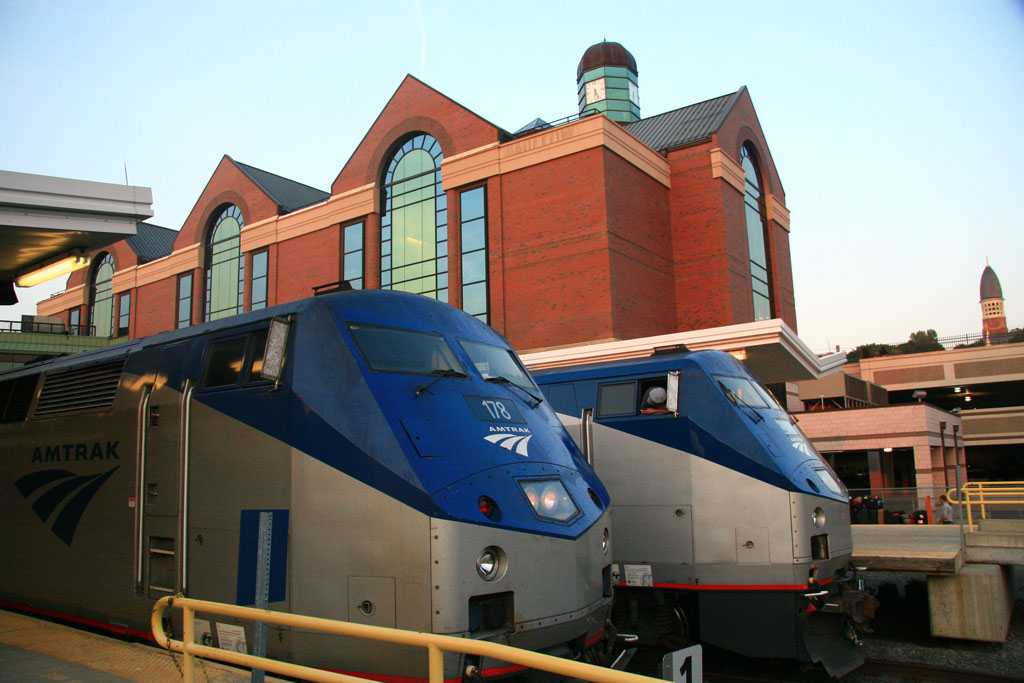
536, 124
151, 242
683, 126
287, 194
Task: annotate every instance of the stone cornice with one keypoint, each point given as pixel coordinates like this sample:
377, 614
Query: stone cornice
181, 261
571, 138
67, 299
777, 211
725, 167
338, 209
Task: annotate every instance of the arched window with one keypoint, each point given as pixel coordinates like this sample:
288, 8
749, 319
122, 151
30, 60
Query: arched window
760, 275
414, 221
224, 275
101, 297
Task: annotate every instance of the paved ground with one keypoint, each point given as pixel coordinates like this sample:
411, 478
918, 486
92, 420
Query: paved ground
35, 650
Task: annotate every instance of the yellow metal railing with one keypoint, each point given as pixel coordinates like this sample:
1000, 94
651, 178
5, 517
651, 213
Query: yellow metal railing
987, 493
436, 646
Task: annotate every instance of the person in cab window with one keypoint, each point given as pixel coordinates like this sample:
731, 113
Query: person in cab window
653, 401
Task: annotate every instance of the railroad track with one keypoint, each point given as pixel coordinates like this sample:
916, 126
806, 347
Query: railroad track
924, 672
880, 671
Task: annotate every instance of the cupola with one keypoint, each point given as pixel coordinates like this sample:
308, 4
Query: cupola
606, 82
993, 317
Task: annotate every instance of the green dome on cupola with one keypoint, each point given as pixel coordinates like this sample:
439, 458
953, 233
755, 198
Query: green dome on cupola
606, 82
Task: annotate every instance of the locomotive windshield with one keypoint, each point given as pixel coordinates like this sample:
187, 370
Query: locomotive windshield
742, 391
495, 362
392, 349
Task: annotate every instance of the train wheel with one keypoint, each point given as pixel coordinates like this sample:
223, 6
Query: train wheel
674, 631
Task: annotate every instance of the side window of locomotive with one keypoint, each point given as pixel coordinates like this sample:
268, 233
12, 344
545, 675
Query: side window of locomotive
562, 398
653, 396
256, 348
224, 362
410, 352
618, 399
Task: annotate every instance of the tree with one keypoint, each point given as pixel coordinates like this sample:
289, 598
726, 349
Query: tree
921, 342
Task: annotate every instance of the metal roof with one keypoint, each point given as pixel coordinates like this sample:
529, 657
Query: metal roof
151, 242
287, 194
683, 126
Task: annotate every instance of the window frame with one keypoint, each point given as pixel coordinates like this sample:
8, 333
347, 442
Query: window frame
124, 309
222, 214
359, 281
179, 300
254, 304
753, 199
438, 262
106, 258
485, 315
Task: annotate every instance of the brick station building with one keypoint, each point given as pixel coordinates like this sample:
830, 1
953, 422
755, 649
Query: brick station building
604, 227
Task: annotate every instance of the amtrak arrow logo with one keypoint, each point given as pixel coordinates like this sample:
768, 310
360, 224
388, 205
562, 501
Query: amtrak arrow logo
61, 486
512, 442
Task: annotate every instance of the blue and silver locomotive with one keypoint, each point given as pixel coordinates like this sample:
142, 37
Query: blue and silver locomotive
413, 477
730, 527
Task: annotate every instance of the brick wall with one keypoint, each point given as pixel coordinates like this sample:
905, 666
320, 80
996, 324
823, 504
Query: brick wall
554, 249
155, 307
415, 107
705, 274
640, 251
307, 261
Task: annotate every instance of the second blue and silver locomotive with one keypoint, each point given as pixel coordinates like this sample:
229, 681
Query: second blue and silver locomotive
730, 527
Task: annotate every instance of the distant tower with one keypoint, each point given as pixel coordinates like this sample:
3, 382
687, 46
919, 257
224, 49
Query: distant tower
606, 81
993, 318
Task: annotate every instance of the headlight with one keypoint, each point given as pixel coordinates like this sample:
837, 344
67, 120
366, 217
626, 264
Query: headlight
818, 517
549, 499
490, 564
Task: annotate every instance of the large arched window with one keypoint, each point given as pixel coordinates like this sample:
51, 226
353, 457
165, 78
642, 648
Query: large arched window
101, 297
414, 221
224, 275
760, 274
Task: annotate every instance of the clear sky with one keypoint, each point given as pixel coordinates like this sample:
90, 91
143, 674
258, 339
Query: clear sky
896, 126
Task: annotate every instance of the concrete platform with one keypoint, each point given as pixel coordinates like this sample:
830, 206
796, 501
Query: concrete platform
36, 650
997, 541
970, 587
908, 548
975, 604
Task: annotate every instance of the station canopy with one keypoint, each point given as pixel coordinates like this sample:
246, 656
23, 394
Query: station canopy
47, 221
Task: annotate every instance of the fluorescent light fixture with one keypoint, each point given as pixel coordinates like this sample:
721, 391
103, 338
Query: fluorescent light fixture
61, 265
887, 449
739, 354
